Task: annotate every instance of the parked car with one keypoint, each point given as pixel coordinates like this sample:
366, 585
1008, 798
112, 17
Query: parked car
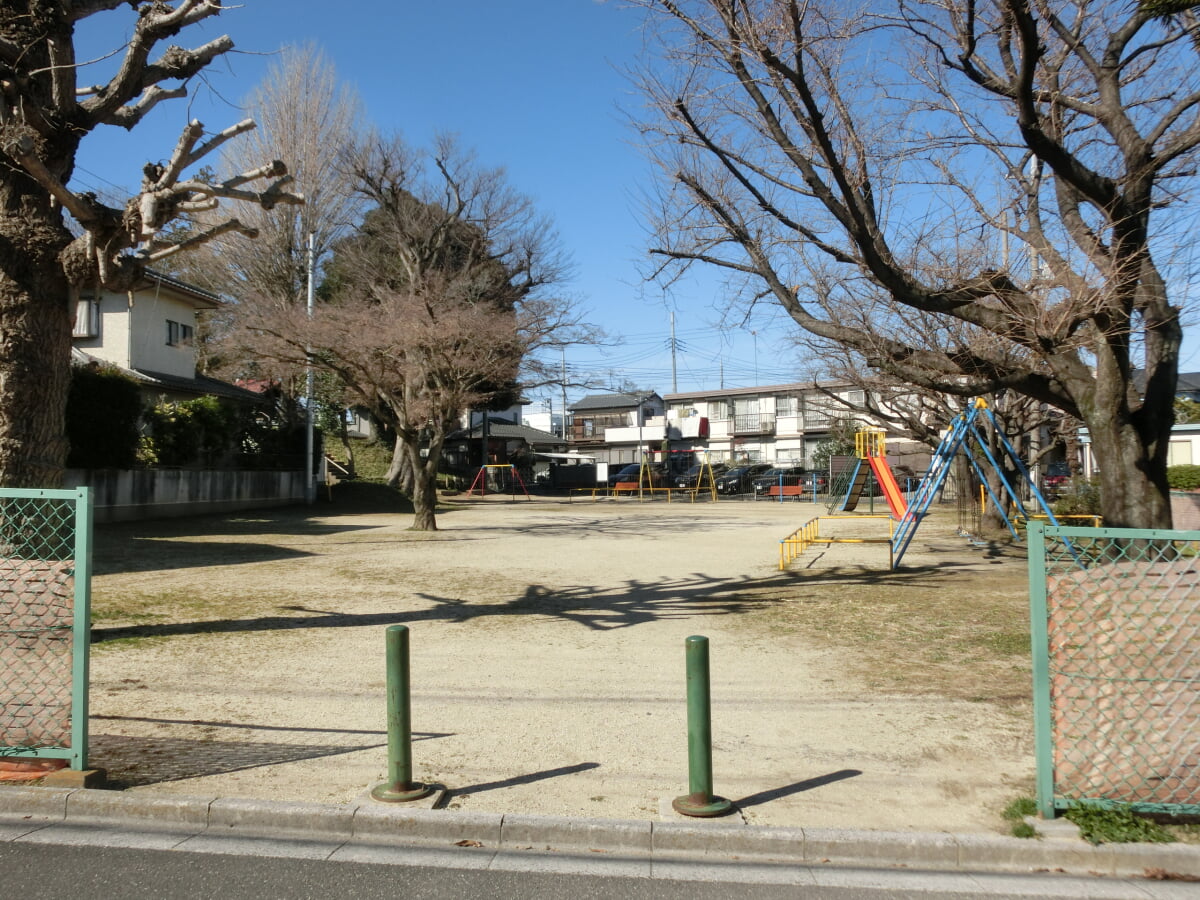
817, 481
1056, 478
632, 474
787, 475
627, 472
689, 478
739, 479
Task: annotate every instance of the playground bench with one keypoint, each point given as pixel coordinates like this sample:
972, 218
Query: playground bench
787, 490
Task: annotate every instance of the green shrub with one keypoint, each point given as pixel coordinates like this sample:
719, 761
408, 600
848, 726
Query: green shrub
190, 432
1183, 478
1080, 497
103, 409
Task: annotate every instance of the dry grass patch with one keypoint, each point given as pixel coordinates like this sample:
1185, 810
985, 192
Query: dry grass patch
961, 633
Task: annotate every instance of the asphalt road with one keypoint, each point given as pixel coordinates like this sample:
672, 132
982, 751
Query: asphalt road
36, 871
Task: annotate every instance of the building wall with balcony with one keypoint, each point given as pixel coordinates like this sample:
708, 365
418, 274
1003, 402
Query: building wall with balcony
781, 423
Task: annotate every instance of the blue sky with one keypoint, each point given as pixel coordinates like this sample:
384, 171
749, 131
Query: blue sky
535, 86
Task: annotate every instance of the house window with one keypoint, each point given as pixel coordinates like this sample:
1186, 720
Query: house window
786, 406
87, 317
589, 428
178, 334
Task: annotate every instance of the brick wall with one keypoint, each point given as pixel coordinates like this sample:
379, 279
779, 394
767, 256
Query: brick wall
1185, 510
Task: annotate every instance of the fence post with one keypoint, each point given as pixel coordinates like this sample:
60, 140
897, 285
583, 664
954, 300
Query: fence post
399, 787
700, 802
1039, 633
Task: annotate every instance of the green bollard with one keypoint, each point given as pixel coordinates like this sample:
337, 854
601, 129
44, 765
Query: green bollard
700, 802
399, 786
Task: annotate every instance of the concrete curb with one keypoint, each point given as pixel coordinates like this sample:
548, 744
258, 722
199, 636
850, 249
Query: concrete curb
41, 808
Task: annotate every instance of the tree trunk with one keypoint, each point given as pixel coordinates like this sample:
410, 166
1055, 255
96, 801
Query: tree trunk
35, 350
1130, 497
392, 477
424, 493
400, 473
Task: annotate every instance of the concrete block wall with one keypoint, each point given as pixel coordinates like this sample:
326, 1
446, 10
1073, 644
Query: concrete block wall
136, 494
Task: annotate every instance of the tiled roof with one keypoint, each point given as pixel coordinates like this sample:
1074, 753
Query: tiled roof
743, 391
612, 401
197, 293
201, 385
498, 428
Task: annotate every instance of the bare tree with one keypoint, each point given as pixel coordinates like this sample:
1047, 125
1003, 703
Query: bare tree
45, 112
994, 163
306, 114
432, 306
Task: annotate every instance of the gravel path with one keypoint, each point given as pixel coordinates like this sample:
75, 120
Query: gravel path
547, 664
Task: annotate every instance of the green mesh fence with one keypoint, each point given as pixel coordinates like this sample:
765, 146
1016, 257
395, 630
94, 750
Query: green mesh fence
44, 623
1116, 663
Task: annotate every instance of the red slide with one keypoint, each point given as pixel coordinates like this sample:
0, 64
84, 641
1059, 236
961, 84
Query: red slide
891, 490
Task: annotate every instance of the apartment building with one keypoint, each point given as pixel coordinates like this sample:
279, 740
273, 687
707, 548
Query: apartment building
773, 423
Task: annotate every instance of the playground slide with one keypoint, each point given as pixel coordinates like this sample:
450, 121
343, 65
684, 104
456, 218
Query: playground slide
858, 481
887, 481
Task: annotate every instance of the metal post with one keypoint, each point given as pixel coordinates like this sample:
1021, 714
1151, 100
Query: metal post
310, 478
700, 802
1039, 632
399, 786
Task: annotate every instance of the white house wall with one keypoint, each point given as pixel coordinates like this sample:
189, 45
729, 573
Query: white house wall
112, 342
150, 350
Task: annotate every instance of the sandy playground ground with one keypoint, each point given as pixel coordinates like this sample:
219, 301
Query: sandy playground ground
243, 656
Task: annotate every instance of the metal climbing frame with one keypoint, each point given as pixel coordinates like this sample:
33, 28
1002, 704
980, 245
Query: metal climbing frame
964, 428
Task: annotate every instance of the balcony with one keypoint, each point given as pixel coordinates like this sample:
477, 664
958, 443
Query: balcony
655, 429
753, 423
789, 423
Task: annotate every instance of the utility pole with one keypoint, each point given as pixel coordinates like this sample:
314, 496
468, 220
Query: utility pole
563, 384
310, 480
674, 374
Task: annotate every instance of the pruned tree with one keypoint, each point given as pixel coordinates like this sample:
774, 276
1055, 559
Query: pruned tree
45, 113
431, 307
304, 112
995, 163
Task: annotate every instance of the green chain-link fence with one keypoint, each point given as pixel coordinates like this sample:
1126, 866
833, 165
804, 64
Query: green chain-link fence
45, 561
1115, 619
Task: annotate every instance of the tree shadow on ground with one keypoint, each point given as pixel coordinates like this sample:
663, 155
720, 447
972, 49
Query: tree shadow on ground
567, 525
635, 602
131, 761
158, 555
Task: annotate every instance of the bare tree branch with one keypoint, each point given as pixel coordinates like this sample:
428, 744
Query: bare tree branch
862, 165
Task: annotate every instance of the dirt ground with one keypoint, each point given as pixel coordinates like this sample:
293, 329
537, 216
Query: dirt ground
244, 657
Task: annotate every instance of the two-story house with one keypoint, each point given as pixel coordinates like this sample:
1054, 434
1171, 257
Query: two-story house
150, 332
618, 428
